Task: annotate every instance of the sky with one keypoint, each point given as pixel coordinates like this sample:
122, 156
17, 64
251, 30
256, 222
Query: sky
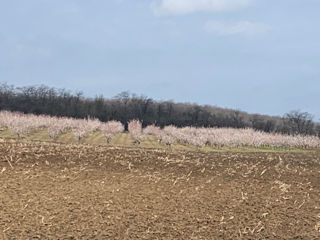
259, 56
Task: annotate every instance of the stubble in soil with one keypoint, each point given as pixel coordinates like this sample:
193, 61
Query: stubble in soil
56, 191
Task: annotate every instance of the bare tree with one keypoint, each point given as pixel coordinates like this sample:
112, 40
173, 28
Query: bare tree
317, 129
298, 122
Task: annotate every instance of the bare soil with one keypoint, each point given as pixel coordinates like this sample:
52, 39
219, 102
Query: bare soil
74, 191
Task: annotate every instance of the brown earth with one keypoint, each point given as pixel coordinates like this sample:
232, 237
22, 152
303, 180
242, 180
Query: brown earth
60, 191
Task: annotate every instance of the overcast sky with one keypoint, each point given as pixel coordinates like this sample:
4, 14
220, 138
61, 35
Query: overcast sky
260, 56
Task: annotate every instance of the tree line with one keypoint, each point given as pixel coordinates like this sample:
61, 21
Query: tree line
125, 106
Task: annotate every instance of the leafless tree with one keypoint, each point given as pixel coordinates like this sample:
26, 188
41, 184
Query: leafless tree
299, 122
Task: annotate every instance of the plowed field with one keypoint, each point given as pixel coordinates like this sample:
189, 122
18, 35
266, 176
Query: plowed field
77, 191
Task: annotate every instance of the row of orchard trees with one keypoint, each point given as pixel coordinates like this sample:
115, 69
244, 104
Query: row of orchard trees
124, 107
24, 124
221, 137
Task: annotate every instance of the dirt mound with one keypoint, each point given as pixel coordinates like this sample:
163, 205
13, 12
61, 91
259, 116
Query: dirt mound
55, 191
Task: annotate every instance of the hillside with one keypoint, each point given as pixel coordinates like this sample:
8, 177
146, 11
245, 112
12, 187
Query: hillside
125, 106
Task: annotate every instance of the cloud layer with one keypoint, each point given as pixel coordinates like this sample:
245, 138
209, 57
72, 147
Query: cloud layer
242, 27
190, 6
